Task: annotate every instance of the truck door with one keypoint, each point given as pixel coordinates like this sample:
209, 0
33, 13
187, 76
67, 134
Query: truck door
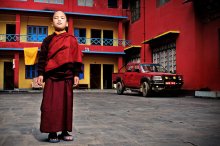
128, 75
135, 77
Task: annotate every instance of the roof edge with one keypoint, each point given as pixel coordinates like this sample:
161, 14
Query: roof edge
160, 35
68, 13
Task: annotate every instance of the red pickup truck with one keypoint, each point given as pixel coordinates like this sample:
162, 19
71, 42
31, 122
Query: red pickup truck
145, 78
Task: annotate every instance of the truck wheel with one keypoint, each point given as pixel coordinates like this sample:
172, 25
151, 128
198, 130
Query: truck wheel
120, 88
145, 89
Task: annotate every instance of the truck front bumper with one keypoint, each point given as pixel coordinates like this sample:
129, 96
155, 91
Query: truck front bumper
171, 85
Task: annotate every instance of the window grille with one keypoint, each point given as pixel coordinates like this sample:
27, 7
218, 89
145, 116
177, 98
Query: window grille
166, 56
30, 71
87, 3
36, 33
80, 34
135, 10
50, 1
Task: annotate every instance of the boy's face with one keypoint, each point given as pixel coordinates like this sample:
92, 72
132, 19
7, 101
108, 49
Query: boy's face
59, 21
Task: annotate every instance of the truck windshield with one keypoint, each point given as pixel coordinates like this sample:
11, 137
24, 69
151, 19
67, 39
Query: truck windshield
152, 68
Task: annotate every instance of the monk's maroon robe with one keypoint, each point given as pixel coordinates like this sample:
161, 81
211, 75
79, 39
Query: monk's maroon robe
59, 61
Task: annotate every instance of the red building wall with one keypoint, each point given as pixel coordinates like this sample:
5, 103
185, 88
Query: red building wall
100, 7
197, 46
210, 55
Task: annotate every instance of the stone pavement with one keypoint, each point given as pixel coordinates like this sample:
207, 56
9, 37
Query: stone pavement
106, 119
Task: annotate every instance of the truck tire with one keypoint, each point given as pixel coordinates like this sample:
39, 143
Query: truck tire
145, 89
120, 88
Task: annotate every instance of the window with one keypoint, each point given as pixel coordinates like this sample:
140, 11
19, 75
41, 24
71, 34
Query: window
124, 4
10, 31
30, 71
130, 68
81, 75
95, 36
80, 34
88, 3
50, 1
36, 33
112, 3
107, 37
161, 2
135, 10
166, 56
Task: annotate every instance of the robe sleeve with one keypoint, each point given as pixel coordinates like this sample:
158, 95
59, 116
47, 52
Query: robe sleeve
78, 58
77, 69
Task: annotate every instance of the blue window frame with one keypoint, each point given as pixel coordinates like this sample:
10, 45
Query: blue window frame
36, 33
80, 34
30, 71
81, 75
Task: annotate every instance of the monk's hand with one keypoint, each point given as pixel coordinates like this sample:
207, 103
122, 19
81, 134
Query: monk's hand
40, 80
76, 81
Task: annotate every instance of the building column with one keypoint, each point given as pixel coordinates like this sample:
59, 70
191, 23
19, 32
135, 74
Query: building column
120, 4
120, 30
18, 27
70, 25
120, 36
120, 62
16, 69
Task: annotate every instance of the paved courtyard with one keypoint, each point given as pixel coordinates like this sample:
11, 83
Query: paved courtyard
106, 119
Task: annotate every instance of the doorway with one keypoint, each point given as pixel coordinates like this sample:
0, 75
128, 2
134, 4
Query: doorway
8, 76
107, 76
95, 76
96, 36
108, 37
10, 31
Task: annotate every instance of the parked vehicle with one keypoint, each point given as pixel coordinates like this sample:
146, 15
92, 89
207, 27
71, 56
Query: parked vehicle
145, 78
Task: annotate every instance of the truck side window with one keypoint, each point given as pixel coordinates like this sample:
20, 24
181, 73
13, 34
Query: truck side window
130, 68
136, 68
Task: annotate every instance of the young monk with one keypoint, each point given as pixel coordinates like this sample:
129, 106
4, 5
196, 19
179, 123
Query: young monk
59, 65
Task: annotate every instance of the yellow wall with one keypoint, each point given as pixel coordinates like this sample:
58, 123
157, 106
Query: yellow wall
97, 59
5, 19
87, 60
46, 21
23, 83
94, 24
1, 73
2, 60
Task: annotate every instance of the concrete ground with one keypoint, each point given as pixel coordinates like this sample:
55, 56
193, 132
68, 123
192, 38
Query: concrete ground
107, 119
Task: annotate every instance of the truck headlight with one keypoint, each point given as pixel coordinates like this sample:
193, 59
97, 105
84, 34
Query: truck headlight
157, 78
